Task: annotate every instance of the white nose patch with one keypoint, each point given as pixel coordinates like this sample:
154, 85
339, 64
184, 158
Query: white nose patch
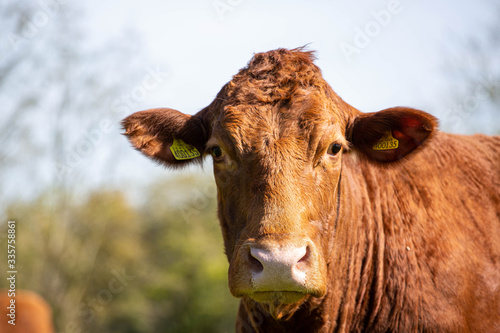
281, 268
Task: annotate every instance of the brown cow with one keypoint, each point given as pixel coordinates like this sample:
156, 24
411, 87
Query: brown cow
26, 311
338, 220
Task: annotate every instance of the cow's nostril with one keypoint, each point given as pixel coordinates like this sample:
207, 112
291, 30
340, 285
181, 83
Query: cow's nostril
305, 258
303, 262
255, 265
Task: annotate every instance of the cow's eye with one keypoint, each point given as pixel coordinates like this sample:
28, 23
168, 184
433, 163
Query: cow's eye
334, 148
217, 152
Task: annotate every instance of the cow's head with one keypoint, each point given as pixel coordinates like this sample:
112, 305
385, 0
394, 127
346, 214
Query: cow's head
277, 134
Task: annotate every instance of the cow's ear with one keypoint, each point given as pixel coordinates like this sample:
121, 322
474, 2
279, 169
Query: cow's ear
167, 136
391, 134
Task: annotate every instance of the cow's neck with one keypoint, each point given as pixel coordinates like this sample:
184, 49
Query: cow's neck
366, 289
357, 269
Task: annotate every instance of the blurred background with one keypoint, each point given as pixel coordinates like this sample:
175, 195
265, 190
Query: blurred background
115, 243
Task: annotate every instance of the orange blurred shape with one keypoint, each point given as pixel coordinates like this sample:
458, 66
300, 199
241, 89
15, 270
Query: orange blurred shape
32, 313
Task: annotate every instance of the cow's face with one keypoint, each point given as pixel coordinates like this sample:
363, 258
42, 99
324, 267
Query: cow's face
277, 134
277, 167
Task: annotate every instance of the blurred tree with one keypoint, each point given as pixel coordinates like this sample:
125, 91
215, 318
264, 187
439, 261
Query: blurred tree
72, 267
155, 266
189, 290
57, 91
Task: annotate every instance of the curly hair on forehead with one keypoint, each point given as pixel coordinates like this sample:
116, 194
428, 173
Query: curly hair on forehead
275, 76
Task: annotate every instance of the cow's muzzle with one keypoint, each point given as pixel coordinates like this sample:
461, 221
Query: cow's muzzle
277, 272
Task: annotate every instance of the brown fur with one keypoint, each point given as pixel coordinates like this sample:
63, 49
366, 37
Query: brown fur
33, 314
400, 240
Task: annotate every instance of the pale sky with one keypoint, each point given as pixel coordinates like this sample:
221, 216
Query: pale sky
202, 43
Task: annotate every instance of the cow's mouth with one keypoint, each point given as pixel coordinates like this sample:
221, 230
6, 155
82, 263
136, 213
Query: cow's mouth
277, 297
279, 304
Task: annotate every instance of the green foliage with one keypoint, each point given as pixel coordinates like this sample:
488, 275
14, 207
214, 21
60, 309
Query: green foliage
106, 265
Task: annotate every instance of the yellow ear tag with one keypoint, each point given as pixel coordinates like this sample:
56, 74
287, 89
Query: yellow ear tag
183, 151
387, 142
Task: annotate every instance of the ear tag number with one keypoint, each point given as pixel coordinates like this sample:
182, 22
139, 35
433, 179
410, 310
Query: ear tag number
387, 142
183, 151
